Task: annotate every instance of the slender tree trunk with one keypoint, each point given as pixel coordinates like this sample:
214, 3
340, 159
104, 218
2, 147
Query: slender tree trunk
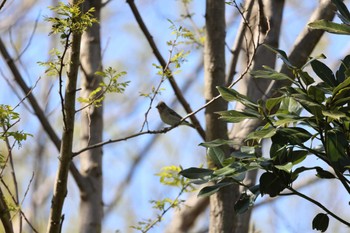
91, 204
221, 203
65, 158
255, 88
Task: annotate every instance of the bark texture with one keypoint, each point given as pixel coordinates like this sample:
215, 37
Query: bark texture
221, 203
91, 204
255, 88
65, 158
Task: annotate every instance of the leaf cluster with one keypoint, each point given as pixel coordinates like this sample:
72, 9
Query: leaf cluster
308, 118
8, 119
70, 19
110, 84
336, 28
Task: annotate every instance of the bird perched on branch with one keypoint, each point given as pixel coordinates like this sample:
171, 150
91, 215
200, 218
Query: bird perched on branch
169, 116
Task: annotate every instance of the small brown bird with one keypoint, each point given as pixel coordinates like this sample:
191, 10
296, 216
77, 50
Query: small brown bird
169, 116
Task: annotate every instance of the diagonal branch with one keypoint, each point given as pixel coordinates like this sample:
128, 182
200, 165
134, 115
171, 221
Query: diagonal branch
37, 109
306, 42
163, 63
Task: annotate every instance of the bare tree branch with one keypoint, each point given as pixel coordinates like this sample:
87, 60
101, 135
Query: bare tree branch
163, 63
37, 109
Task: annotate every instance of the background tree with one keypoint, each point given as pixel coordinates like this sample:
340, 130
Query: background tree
130, 165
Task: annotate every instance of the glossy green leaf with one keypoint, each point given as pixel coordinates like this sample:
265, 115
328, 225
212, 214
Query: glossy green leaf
270, 73
321, 56
316, 94
230, 95
216, 155
342, 85
307, 79
242, 155
225, 171
344, 69
324, 73
333, 114
330, 27
216, 143
298, 156
280, 54
246, 200
209, 190
196, 173
336, 145
236, 116
272, 102
271, 184
291, 135
324, 174
320, 222
286, 167
261, 134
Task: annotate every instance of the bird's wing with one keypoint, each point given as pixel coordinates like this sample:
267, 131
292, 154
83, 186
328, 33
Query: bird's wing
174, 113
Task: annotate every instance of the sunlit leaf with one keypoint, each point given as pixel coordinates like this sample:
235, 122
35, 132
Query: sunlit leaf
236, 116
330, 27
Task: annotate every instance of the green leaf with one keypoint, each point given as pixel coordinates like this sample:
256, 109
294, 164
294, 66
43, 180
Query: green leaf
270, 73
286, 121
307, 79
272, 102
236, 116
336, 147
242, 155
302, 169
271, 184
341, 93
261, 134
232, 95
281, 54
320, 222
246, 200
291, 105
225, 171
291, 135
324, 174
316, 93
344, 69
330, 27
216, 155
216, 143
324, 73
344, 84
321, 56
286, 167
209, 190
196, 173
297, 156
334, 114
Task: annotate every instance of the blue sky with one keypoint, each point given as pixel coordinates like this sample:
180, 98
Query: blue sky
126, 49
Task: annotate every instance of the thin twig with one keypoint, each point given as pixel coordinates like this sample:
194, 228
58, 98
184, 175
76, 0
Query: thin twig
156, 91
162, 62
60, 71
319, 205
159, 218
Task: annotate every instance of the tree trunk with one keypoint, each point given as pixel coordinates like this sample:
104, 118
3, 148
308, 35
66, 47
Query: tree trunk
91, 204
221, 203
255, 88
65, 158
